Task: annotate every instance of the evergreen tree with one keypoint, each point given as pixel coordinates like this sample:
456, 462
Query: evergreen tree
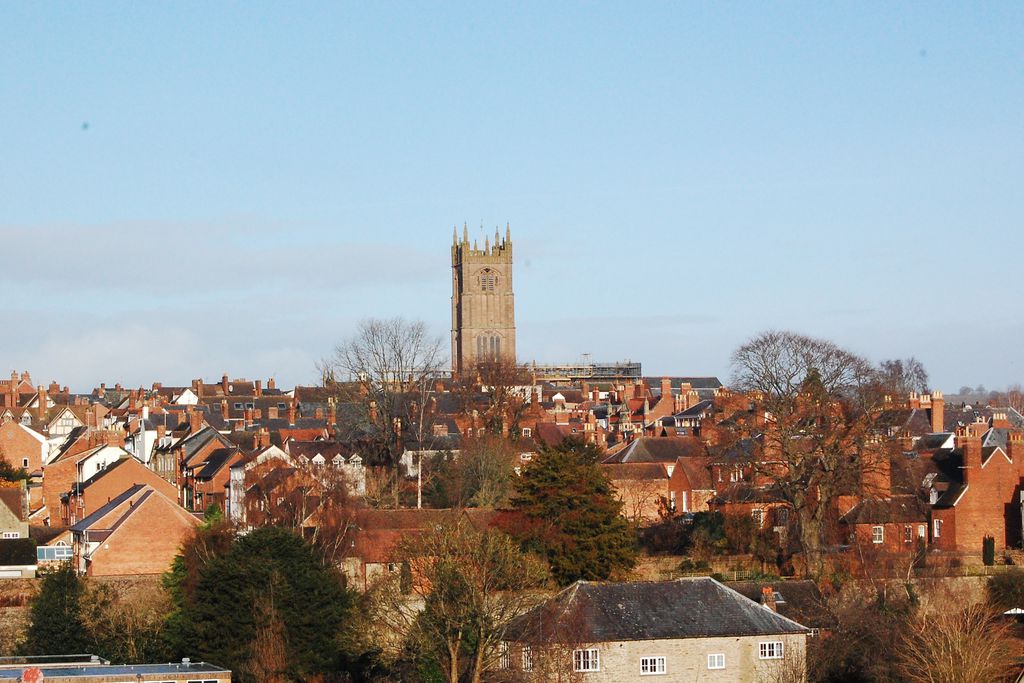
269, 602
56, 624
570, 515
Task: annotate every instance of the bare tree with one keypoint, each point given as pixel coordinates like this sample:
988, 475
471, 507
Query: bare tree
395, 363
956, 646
899, 377
473, 582
818, 401
312, 499
497, 389
481, 475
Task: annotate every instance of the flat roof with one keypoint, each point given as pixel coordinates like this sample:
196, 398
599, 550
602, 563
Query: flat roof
13, 672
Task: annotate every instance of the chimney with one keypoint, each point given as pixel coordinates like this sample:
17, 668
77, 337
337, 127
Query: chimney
1015, 448
585, 389
914, 401
666, 388
291, 412
875, 467
264, 438
54, 387
224, 384
133, 399
195, 421
42, 408
259, 388
332, 412
938, 412
271, 385
768, 598
224, 414
373, 412
1000, 421
970, 445
248, 417
197, 387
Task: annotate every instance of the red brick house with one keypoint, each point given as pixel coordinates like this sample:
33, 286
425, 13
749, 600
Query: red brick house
138, 532
86, 497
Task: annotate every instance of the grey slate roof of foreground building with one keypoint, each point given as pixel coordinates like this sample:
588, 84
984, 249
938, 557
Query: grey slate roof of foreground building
701, 607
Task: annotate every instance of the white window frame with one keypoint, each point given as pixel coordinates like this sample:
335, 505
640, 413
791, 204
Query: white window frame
922, 530
504, 656
716, 660
771, 649
586, 660
757, 514
878, 534
527, 431
11, 534
527, 656
656, 665
936, 528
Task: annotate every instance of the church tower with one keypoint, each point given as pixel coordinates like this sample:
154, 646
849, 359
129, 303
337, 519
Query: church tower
483, 307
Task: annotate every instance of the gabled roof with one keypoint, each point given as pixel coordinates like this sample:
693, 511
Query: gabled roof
699, 607
635, 471
100, 519
657, 449
894, 510
12, 499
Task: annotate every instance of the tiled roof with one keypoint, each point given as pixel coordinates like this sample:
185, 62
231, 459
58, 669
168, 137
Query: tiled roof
651, 610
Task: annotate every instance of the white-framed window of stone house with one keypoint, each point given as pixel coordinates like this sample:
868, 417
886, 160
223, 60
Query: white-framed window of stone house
586, 660
716, 660
936, 527
527, 431
771, 649
922, 530
908, 533
653, 665
877, 534
527, 658
504, 655
757, 514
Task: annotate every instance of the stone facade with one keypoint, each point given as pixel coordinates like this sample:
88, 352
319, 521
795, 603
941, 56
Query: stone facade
483, 306
685, 659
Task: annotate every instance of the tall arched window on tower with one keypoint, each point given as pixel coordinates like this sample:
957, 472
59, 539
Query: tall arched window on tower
488, 345
488, 280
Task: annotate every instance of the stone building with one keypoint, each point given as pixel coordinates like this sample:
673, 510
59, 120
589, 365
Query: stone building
483, 306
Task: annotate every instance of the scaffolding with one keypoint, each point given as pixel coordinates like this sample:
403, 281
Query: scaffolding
569, 373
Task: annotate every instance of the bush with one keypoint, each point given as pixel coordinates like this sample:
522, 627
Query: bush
18, 551
1006, 591
988, 551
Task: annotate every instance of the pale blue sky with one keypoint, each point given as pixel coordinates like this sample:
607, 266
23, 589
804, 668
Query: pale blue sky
189, 188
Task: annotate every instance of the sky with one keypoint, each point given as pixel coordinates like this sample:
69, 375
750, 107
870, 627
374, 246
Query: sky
195, 188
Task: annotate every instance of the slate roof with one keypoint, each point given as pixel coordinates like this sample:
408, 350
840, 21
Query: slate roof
701, 607
635, 471
657, 449
104, 510
800, 601
214, 462
894, 510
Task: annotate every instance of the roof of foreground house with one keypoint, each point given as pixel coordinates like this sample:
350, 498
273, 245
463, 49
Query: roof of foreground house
700, 607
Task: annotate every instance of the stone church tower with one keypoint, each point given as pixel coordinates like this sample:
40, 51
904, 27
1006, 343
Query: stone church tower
483, 307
